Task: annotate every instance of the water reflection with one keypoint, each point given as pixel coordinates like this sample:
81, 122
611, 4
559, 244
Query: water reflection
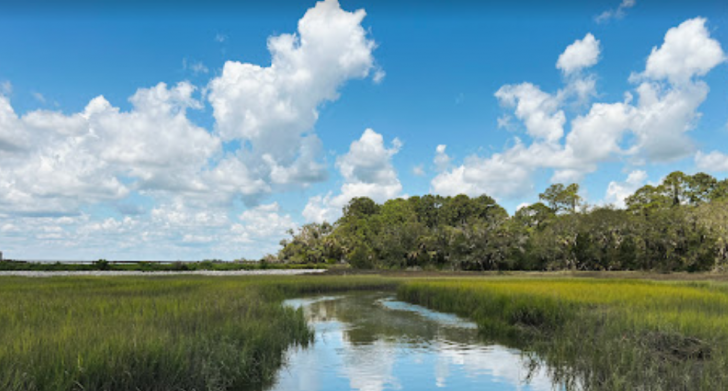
372, 342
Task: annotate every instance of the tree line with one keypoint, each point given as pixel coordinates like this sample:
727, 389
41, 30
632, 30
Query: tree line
679, 225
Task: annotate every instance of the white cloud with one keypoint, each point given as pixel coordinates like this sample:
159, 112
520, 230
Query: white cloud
12, 136
538, 110
368, 172
712, 162
379, 75
581, 54
616, 13
664, 116
441, 160
582, 88
522, 205
500, 175
658, 124
56, 163
596, 136
369, 161
617, 192
177, 214
104, 158
263, 226
274, 108
155, 142
688, 51
322, 208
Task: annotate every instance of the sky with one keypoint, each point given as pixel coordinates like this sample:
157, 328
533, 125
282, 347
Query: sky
198, 130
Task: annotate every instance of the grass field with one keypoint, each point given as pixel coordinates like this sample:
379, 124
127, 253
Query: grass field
229, 333
600, 334
151, 333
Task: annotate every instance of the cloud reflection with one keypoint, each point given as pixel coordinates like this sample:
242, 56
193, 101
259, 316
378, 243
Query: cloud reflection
370, 342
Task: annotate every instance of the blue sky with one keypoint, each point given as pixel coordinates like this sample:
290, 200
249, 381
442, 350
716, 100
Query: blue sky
98, 159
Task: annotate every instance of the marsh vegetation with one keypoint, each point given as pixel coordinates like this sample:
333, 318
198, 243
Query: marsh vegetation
150, 333
678, 225
230, 333
598, 334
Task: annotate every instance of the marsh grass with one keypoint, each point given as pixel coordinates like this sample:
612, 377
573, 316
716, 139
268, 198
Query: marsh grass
599, 334
152, 333
229, 333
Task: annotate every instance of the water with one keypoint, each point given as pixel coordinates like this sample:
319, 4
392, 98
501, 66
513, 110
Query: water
372, 342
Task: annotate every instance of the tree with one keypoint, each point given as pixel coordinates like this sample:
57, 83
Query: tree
675, 190
560, 198
427, 209
647, 199
398, 233
701, 187
679, 224
534, 216
720, 191
456, 211
676, 187
310, 244
360, 207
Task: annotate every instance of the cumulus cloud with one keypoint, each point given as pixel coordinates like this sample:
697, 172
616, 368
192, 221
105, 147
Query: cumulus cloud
713, 162
57, 165
262, 225
617, 192
652, 127
367, 171
688, 51
173, 229
500, 176
538, 110
12, 136
583, 53
274, 108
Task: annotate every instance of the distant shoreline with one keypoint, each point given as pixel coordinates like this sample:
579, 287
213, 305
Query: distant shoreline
119, 261
112, 273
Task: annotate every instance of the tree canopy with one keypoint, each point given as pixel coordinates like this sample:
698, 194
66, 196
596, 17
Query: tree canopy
679, 224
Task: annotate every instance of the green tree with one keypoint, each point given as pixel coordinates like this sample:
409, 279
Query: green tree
647, 199
561, 198
701, 187
679, 224
310, 244
720, 191
676, 187
534, 216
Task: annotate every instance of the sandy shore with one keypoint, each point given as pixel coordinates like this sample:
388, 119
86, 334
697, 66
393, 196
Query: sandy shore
273, 272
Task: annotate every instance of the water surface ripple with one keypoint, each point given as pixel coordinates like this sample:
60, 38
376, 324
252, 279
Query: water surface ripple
372, 342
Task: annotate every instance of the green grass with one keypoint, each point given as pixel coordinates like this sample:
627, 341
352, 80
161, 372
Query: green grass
152, 333
229, 333
604, 334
